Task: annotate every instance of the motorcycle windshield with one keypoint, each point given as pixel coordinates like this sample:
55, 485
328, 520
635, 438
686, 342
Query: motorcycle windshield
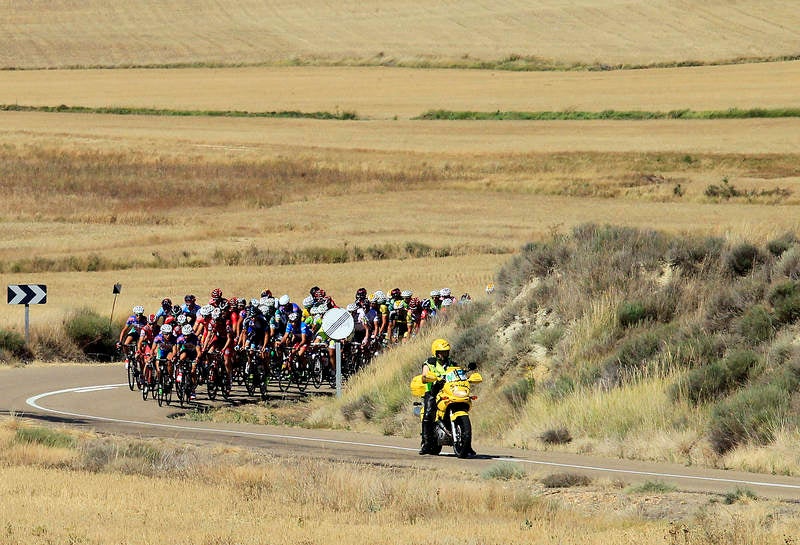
456, 375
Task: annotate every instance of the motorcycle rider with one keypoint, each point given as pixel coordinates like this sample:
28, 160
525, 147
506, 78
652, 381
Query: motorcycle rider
436, 365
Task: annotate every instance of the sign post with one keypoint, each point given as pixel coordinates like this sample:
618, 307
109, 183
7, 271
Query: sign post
27, 294
338, 324
116, 291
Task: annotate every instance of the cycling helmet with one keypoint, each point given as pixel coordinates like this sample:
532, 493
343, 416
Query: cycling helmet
166, 303
395, 293
271, 302
308, 302
254, 302
284, 300
189, 299
206, 310
447, 302
233, 301
242, 302
266, 293
216, 293
182, 319
439, 345
435, 293
166, 328
264, 308
138, 309
216, 313
444, 292
490, 288
407, 293
361, 293
186, 329
313, 291
176, 309
151, 319
379, 295
414, 303
293, 316
352, 307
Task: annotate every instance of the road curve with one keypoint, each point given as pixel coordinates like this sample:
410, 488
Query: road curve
94, 396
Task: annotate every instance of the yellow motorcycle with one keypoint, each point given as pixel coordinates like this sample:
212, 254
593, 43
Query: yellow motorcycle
452, 425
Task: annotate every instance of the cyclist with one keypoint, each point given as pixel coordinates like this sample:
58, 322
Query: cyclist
188, 343
414, 316
296, 336
133, 325
216, 297
190, 307
219, 336
430, 307
165, 311
255, 332
164, 347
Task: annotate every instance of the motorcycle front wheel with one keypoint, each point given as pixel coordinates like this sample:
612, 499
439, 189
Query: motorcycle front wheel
462, 437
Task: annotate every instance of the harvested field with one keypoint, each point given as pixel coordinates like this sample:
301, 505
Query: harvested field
383, 93
68, 33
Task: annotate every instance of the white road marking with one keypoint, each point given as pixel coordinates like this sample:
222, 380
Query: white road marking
33, 402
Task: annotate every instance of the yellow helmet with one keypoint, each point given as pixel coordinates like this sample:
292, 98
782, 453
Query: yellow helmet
439, 345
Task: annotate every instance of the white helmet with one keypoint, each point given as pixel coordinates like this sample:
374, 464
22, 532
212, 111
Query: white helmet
351, 307
254, 302
447, 302
284, 300
181, 319
205, 310
444, 292
435, 293
138, 309
186, 329
216, 313
293, 316
490, 288
263, 309
317, 310
166, 328
407, 293
379, 295
307, 302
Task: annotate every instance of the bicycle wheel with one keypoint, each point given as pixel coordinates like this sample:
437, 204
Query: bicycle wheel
211, 384
284, 377
263, 381
302, 376
316, 371
147, 381
130, 366
251, 380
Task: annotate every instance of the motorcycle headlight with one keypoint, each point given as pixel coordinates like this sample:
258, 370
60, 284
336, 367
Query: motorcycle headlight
460, 392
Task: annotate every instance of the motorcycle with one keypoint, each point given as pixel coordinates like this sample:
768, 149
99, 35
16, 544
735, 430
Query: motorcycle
452, 426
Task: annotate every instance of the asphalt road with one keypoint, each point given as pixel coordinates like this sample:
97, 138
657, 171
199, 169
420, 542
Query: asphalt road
95, 397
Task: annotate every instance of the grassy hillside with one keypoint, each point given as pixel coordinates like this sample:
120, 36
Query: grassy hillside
513, 34
629, 343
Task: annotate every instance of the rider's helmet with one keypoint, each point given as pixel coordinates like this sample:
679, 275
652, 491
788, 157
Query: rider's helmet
270, 302
263, 309
151, 319
414, 303
361, 293
166, 304
206, 310
407, 293
189, 299
379, 295
447, 302
216, 313
181, 319
313, 291
440, 348
138, 310
284, 300
254, 302
352, 307
293, 316
216, 293
444, 292
186, 329
233, 302
242, 303
166, 329
396, 293
435, 293
308, 302
266, 293
176, 310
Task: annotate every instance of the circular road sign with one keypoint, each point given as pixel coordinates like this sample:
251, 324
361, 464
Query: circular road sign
337, 323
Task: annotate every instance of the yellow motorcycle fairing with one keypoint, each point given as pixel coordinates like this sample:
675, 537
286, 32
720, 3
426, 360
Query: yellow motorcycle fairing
456, 414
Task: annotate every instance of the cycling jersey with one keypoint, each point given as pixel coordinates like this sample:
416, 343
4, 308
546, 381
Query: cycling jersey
298, 328
163, 344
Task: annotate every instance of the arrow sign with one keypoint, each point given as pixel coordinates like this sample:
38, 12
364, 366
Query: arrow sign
27, 294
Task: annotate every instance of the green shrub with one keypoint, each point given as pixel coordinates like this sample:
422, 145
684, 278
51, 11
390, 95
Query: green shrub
785, 299
634, 354
788, 264
12, 346
630, 313
701, 384
739, 365
475, 345
756, 325
779, 245
504, 471
44, 436
742, 259
695, 348
749, 416
691, 253
517, 392
738, 495
549, 336
651, 487
93, 334
559, 388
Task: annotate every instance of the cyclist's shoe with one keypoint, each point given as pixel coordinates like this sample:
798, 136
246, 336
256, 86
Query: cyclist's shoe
192, 396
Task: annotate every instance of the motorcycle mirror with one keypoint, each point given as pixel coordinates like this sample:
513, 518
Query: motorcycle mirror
475, 378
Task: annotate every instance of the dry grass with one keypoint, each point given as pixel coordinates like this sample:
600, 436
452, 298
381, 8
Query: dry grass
384, 94
380, 32
112, 490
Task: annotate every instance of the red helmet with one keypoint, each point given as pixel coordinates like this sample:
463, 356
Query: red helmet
233, 301
414, 303
216, 293
320, 294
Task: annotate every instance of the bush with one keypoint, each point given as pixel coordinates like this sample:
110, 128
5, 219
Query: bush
44, 436
548, 336
742, 259
634, 353
475, 345
785, 299
517, 393
93, 334
756, 325
631, 313
504, 471
788, 265
556, 436
12, 346
749, 416
715, 380
566, 480
690, 253
779, 245
652, 487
